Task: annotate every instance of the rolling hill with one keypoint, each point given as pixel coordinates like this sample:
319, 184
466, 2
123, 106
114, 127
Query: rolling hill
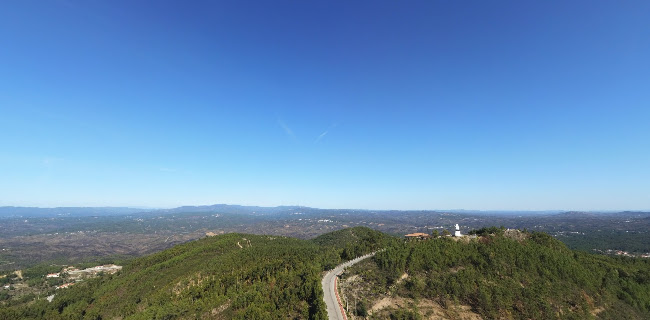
231, 276
495, 275
498, 275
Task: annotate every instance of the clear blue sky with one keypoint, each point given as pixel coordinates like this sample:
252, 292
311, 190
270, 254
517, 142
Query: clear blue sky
352, 104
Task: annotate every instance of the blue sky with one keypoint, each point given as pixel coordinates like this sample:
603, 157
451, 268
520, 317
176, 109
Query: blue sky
493, 105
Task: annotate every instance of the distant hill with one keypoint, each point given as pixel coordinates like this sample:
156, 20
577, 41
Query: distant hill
234, 209
601, 214
16, 212
108, 211
11, 211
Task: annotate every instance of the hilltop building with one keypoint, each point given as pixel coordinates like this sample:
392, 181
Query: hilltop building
417, 236
426, 236
65, 285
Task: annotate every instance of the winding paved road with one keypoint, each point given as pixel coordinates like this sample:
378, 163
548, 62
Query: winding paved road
329, 288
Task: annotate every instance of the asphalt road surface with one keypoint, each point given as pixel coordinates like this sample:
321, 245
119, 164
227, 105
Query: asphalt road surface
333, 309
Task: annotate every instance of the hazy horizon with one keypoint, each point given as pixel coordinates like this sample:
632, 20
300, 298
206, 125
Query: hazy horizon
328, 208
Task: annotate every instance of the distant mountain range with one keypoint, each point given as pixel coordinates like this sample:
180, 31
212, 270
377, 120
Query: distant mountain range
235, 209
17, 212
66, 211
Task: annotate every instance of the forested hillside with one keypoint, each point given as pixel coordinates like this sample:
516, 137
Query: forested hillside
353, 242
504, 275
233, 276
495, 275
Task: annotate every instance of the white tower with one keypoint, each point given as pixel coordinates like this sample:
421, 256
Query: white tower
457, 232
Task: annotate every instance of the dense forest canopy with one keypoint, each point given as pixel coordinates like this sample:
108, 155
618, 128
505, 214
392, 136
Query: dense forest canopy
509, 274
500, 273
232, 276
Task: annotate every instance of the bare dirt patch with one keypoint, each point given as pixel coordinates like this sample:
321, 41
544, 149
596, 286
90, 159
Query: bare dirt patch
427, 308
387, 302
402, 278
